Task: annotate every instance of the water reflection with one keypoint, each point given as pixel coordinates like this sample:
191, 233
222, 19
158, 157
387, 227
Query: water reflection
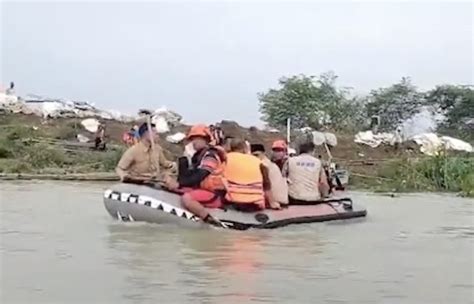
405, 247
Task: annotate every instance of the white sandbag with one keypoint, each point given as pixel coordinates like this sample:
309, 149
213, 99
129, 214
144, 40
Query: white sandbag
367, 138
451, 143
176, 138
6, 99
374, 140
429, 143
90, 124
331, 139
81, 138
161, 124
318, 138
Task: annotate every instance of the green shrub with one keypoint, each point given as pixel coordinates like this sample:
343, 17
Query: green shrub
14, 166
437, 173
18, 132
65, 132
42, 156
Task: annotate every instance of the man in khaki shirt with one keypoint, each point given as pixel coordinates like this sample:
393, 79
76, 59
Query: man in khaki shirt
139, 164
279, 187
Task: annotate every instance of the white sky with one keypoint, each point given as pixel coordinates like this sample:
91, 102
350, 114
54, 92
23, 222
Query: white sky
209, 60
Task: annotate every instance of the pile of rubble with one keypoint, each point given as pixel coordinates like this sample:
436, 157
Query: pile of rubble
55, 108
429, 143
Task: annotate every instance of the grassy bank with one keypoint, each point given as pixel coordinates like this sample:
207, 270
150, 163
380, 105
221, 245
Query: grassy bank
27, 150
50, 151
442, 173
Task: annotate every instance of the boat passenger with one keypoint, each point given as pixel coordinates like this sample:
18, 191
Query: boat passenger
202, 183
217, 135
279, 186
139, 164
135, 134
246, 179
280, 153
306, 177
226, 143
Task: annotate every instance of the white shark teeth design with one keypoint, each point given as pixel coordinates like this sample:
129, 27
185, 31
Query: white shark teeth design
149, 202
124, 197
107, 193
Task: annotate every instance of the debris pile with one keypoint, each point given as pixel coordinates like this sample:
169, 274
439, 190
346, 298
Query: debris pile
429, 143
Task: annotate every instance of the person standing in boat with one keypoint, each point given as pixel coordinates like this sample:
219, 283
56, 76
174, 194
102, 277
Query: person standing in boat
201, 183
139, 164
306, 177
279, 186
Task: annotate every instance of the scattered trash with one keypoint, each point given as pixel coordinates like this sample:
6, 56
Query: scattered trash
90, 124
176, 138
361, 154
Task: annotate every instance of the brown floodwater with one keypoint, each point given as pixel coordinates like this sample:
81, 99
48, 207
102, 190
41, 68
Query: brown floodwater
59, 245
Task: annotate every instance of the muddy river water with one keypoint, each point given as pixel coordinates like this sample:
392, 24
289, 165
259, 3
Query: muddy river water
59, 245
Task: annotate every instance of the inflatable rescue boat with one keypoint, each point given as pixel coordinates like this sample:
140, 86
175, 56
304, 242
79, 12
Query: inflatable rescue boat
129, 202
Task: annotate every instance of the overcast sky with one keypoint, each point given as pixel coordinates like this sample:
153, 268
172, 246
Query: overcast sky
209, 60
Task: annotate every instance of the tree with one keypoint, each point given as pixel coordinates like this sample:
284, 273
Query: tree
394, 104
309, 101
456, 103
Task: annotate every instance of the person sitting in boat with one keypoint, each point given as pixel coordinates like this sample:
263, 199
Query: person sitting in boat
280, 153
139, 164
201, 183
279, 186
306, 177
246, 179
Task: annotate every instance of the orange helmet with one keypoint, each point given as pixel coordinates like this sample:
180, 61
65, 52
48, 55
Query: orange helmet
199, 130
279, 144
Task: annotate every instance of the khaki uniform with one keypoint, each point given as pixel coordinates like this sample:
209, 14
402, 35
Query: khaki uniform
139, 161
304, 173
278, 183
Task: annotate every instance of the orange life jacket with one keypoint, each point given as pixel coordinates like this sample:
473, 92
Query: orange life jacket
244, 180
214, 181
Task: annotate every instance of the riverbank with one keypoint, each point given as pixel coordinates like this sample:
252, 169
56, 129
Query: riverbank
31, 148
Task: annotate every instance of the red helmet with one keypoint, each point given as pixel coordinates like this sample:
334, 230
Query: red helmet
199, 131
279, 144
